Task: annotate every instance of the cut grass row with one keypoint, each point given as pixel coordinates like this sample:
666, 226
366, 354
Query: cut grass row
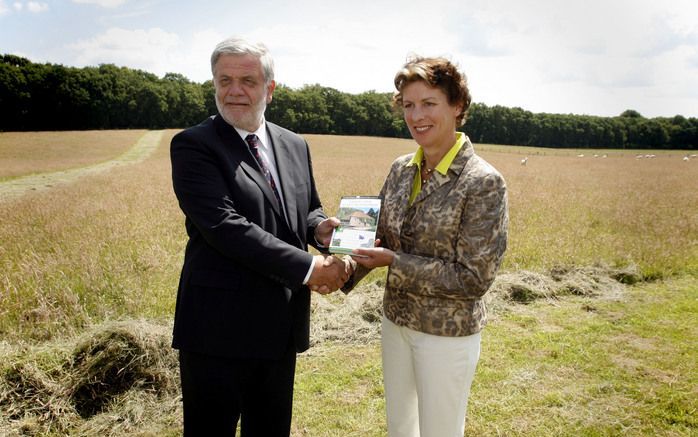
25, 153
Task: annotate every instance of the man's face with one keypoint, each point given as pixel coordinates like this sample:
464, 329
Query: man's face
241, 94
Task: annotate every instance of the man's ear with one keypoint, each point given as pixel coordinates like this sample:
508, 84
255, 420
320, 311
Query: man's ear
270, 90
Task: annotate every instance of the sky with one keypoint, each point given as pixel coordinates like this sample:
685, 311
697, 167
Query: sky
594, 57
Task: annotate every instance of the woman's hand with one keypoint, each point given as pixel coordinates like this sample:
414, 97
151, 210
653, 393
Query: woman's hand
375, 257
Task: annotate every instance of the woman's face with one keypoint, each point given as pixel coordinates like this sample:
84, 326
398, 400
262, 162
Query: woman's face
429, 116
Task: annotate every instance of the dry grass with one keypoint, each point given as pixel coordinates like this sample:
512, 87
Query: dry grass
619, 210
24, 153
355, 318
113, 379
563, 209
110, 246
107, 246
352, 166
578, 366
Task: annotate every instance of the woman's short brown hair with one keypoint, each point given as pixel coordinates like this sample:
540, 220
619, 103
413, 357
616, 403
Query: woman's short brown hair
436, 72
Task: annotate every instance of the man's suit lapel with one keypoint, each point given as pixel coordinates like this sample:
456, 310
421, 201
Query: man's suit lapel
248, 163
283, 156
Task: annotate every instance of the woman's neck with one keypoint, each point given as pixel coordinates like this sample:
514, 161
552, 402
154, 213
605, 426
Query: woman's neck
432, 156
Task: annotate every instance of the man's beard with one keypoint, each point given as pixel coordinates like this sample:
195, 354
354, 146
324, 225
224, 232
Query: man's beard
247, 120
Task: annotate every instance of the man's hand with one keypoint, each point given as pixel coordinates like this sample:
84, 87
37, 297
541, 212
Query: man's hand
323, 231
329, 274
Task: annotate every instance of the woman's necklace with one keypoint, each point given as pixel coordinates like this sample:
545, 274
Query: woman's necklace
426, 171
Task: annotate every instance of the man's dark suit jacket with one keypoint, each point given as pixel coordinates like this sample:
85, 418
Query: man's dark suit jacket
240, 292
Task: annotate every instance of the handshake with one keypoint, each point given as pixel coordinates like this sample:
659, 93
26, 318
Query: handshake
329, 273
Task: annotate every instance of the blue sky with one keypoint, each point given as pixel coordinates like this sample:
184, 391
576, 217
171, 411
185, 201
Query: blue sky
595, 57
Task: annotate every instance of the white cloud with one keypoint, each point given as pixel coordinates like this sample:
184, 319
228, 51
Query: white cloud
349, 52
192, 56
592, 57
148, 50
18, 6
153, 50
102, 3
547, 56
37, 7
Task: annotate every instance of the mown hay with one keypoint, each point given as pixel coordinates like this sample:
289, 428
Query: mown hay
117, 358
353, 318
522, 287
628, 275
105, 368
121, 378
136, 413
525, 286
29, 397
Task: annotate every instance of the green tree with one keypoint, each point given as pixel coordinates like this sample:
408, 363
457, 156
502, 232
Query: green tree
14, 93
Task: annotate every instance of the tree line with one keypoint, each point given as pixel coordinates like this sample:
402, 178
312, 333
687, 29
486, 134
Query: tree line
55, 97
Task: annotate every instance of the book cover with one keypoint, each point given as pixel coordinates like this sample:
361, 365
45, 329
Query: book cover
358, 216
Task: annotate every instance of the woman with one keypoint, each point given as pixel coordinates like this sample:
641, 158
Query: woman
443, 233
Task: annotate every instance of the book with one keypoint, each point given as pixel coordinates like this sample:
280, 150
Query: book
358, 216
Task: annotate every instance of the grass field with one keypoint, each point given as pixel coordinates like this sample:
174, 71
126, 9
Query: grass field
24, 153
109, 247
563, 209
579, 366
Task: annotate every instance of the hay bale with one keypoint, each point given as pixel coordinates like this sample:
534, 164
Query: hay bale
119, 357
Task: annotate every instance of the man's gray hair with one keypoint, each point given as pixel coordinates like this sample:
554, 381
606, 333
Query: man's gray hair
238, 46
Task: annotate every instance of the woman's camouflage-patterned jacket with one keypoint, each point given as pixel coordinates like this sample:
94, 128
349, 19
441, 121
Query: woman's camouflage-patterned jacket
448, 244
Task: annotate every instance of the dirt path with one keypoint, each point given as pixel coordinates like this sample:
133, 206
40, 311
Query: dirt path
17, 187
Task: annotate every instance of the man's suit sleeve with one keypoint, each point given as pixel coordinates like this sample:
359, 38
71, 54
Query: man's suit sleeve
206, 200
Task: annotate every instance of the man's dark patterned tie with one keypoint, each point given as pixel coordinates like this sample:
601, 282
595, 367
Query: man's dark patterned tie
253, 142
